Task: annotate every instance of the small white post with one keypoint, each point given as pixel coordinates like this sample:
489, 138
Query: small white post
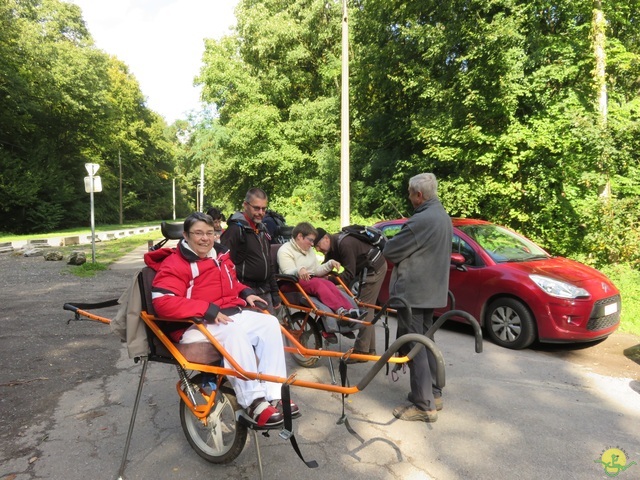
174, 198
92, 168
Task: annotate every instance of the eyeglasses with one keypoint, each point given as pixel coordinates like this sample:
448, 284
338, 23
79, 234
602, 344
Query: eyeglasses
310, 239
199, 234
258, 209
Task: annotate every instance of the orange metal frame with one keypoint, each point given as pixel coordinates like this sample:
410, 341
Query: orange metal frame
313, 309
202, 411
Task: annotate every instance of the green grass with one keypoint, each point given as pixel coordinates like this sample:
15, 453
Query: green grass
72, 232
107, 252
627, 279
88, 269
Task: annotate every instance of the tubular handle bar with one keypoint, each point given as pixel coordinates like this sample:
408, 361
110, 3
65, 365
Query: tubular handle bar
78, 310
470, 319
420, 341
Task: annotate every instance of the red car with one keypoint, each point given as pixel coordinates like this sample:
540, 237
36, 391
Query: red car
518, 292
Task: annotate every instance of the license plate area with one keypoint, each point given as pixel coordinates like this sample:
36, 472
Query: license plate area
611, 308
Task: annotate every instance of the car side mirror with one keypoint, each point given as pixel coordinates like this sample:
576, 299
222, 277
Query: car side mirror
458, 260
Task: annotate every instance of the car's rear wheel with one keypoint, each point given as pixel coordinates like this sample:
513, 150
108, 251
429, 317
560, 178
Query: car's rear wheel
510, 324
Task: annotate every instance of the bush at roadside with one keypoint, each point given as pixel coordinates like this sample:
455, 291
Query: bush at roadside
627, 279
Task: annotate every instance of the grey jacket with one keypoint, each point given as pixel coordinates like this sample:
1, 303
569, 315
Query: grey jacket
421, 252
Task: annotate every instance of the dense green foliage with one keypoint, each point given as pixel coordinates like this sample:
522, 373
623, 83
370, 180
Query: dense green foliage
275, 88
64, 103
500, 98
497, 97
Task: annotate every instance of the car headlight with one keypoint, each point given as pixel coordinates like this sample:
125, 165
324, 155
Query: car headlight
559, 289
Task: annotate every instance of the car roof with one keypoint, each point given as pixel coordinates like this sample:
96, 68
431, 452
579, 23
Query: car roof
456, 221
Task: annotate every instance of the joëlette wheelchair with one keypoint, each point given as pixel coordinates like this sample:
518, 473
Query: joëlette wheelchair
214, 424
315, 325
311, 322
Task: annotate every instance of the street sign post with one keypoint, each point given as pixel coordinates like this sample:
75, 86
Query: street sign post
92, 169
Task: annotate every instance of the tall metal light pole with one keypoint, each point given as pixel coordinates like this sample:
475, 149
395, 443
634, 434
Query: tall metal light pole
345, 200
201, 187
120, 166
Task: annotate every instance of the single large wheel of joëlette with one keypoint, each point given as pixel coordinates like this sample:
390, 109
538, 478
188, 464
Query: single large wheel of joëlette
221, 438
310, 337
510, 324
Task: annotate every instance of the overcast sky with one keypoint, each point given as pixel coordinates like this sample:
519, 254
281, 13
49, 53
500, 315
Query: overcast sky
162, 42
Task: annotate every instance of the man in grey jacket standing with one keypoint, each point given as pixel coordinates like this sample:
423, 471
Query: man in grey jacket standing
421, 252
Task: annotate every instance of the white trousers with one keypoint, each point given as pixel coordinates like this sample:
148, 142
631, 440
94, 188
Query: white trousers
254, 340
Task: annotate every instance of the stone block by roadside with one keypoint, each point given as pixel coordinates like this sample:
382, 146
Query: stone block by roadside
39, 243
66, 241
77, 258
53, 256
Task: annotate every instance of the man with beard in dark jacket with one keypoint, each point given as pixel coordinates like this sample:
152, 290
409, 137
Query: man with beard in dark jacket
250, 244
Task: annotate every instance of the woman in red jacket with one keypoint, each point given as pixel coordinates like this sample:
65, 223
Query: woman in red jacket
197, 279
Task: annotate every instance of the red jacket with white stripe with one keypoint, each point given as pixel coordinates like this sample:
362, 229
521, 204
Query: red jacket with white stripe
187, 286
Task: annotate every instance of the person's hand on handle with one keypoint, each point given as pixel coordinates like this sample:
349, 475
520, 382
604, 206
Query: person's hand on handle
257, 302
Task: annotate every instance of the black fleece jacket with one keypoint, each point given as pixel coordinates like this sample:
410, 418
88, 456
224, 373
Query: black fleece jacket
251, 253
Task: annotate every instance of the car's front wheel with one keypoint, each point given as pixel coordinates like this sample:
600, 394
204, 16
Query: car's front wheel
510, 324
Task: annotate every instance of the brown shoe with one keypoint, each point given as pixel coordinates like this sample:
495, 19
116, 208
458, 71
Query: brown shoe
351, 360
438, 401
411, 413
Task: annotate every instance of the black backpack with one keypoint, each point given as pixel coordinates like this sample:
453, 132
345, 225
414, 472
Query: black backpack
374, 237
370, 235
282, 232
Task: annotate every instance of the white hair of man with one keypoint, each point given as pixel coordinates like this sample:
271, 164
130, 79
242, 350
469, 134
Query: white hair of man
425, 183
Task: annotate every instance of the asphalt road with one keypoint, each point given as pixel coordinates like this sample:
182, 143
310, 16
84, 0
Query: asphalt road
538, 413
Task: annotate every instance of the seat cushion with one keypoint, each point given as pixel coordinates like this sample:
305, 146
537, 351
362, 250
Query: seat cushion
199, 352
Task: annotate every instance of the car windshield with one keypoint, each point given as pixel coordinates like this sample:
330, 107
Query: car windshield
503, 245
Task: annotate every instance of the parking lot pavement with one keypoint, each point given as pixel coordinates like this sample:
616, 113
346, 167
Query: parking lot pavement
507, 414
526, 414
